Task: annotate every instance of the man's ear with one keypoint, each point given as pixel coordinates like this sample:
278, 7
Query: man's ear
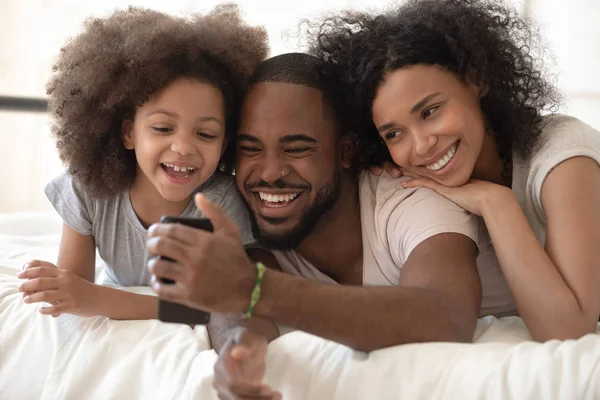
126, 129
348, 150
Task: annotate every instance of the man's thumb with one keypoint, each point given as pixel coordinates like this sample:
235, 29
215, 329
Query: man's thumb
220, 220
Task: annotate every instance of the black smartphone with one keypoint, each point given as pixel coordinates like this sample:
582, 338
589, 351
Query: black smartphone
174, 312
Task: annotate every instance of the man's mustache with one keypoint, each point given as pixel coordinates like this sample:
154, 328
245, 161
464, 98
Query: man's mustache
280, 183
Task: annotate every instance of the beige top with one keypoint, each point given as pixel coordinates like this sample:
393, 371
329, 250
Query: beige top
394, 221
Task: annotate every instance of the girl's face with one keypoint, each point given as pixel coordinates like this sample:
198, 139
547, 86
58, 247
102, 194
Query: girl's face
178, 137
431, 122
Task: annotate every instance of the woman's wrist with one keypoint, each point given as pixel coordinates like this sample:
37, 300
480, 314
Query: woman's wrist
496, 199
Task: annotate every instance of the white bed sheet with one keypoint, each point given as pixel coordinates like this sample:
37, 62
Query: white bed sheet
96, 358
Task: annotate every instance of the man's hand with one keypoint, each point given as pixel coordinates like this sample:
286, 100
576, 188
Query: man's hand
240, 369
66, 292
211, 270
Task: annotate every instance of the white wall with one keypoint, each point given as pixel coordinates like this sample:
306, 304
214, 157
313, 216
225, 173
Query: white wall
32, 32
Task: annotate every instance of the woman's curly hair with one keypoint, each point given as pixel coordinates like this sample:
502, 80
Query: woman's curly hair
482, 41
116, 63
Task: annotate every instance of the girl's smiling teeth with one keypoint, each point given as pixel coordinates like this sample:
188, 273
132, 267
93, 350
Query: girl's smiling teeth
178, 171
277, 200
443, 160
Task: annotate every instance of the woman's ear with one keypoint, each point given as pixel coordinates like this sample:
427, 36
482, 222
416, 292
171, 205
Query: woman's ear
126, 129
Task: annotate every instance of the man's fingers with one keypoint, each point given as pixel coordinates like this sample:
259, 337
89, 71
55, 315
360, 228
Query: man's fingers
179, 232
165, 269
165, 246
244, 390
219, 218
39, 284
240, 353
172, 292
38, 272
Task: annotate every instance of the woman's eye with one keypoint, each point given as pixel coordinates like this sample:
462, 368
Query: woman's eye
428, 112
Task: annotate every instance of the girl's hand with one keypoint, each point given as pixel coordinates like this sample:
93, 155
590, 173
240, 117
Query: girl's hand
66, 292
472, 196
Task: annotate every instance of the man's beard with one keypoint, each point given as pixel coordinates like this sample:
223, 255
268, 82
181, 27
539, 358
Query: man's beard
325, 199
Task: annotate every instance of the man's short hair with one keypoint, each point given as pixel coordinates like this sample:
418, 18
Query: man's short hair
304, 69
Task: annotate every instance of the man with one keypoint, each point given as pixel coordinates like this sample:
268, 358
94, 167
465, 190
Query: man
403, 260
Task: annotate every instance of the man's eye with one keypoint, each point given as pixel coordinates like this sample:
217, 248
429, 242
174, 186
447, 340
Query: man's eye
249, 149
297, 150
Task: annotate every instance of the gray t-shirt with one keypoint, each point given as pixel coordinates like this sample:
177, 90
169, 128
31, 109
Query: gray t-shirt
118, 233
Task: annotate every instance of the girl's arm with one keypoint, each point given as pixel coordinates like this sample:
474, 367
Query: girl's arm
556, 289
71, 288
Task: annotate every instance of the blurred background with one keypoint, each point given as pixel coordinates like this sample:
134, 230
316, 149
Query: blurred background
33, 31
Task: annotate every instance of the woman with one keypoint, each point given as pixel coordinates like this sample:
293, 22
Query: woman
451, 91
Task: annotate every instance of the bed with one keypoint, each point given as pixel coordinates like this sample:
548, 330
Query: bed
96, 358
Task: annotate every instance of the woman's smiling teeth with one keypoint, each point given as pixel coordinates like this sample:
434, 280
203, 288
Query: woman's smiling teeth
445, 159
277, 200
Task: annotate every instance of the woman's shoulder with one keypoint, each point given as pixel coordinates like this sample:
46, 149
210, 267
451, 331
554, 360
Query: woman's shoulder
560, 132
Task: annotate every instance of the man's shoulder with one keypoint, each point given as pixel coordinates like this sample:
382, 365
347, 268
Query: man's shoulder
386, 192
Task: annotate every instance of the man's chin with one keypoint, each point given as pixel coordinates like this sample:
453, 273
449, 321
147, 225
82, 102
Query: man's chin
278, 236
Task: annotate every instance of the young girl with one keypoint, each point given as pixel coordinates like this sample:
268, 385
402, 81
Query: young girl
144, 107
451, 91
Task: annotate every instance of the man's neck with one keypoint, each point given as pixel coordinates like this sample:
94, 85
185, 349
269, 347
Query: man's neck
335, 245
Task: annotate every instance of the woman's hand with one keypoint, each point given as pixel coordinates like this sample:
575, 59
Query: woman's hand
472, 196
388, 167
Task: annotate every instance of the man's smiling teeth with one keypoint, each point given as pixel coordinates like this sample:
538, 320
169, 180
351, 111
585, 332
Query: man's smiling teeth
445, 159
277, 198
179, 168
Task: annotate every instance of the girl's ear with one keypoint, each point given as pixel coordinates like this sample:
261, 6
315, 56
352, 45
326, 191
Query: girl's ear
126, 129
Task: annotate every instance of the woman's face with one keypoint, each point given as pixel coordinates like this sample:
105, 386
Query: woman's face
431, 122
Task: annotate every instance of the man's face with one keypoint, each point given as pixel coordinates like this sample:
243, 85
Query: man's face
289, 166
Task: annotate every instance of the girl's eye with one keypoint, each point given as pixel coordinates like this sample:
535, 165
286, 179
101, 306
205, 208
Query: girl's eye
161, 129
428, 112
392, 135
206, 135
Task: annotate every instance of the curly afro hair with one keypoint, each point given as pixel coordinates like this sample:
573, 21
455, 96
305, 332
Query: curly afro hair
483, 41
116, 63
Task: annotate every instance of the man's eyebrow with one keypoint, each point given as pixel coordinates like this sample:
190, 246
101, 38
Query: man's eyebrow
247, 138
298, 137
423, 101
